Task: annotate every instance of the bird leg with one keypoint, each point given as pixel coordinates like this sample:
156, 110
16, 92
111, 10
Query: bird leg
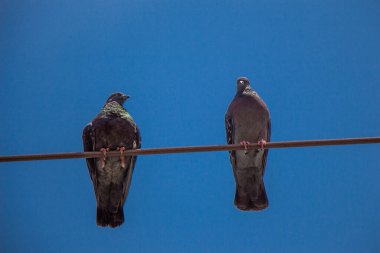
245, 145
103, 160
262, 143
122, 157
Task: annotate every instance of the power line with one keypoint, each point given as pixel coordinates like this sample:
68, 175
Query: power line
191, 149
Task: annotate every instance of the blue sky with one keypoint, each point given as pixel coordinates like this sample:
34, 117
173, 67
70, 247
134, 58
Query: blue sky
315, 63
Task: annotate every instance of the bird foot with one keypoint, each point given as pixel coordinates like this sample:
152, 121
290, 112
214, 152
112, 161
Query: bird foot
245, 145
262, 144
122, 157
103, 160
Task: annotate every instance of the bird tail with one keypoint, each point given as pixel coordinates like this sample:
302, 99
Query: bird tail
250, 194
106, 218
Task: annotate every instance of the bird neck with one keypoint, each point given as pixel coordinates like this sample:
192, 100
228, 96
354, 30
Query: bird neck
114, 108
248, 91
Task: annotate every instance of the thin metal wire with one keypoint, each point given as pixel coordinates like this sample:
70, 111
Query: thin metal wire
191, 149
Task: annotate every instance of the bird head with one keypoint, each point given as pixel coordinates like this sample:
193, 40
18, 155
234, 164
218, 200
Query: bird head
241, 84
118, 97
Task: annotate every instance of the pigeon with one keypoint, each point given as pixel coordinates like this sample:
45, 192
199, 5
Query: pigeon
247, 120
112, 129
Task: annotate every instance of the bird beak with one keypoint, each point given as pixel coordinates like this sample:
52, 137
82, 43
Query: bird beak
125, 97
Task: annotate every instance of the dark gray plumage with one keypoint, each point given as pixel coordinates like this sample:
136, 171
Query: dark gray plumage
112, 129
248, 120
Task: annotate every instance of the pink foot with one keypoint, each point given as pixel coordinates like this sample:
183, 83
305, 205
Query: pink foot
103, 161
245, 145
262, 143
122, 158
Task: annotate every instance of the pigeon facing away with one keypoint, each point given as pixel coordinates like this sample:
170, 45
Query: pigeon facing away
112, 129
248, 120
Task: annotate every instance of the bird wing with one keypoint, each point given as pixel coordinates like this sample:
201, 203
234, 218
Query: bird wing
88, 138
136, 145
230, 136
264, 161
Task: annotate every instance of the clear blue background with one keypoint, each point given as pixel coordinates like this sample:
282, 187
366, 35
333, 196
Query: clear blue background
315, 63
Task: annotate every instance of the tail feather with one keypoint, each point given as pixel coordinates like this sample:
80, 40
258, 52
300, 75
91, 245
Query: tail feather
116, 219
102, 217
105, 218
252, 197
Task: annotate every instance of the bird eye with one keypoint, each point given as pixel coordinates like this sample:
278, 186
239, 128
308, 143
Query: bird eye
241, 82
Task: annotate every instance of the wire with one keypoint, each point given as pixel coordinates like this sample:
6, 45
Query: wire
191, 149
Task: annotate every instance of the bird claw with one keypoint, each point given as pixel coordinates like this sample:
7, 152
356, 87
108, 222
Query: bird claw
245, 145
122, 157
103, 160
262, 144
